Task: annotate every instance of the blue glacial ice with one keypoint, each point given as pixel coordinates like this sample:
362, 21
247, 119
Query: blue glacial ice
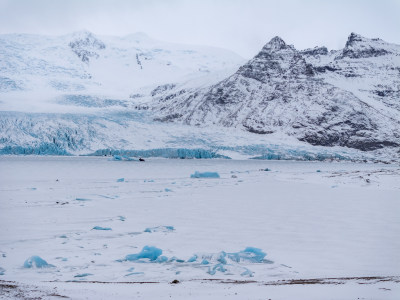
193, 258
2, 271
250, 254
198, 174
247, 273
123, 158
101, 228
162, 259
83, 275
134, 273
224, 262
148, 252
82, 199
159, 152
160, 229
41, 149
218, 267
174, 258
36, 262
120, 179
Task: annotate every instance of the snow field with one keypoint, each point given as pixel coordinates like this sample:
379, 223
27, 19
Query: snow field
309, 224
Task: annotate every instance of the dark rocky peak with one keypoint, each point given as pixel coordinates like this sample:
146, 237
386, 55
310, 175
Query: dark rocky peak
315, 51
275, 47
275, 44
85, 44
358, 46
276, 59
353, 39
86, 39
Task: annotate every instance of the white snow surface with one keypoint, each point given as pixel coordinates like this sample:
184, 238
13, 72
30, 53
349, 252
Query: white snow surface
313, 219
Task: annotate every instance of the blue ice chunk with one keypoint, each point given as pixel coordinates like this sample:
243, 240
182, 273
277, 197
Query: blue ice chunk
134, 273
167, 190
121, 218
82, 199
150, 252
193, 258
218, 267
205, 262
249, 254
318, 171
63, 236
160, 229
162, 259
101, 228
247, 273
36, 262
120, 179
267, 169
222, 258
2, 271
122, 158
180, 260
83, 275
64, 259
198, 174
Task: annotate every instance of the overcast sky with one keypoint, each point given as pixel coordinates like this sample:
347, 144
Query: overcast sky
243, 26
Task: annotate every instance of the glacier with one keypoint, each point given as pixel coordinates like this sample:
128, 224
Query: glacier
132, 96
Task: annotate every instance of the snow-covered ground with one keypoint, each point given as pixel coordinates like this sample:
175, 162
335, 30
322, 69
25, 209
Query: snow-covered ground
262, 230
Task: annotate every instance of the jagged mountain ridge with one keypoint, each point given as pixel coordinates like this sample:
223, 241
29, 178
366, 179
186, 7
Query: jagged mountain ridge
345, 98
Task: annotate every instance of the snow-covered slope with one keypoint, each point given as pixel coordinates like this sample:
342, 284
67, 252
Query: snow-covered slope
346, 98
84, 62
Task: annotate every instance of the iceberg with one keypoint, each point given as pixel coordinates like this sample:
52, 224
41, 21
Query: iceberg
198, 174
159, 229
83, 275
101, 228
250, 254
36, 262
149, 252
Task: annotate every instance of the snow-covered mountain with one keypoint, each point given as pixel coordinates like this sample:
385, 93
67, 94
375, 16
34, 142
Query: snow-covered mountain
83, 62
349, 97
82, 93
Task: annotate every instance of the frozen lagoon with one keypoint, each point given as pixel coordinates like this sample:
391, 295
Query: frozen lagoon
313, 220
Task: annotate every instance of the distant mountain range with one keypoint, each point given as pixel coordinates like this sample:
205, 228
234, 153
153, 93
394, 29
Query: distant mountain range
80, 93
349, 97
